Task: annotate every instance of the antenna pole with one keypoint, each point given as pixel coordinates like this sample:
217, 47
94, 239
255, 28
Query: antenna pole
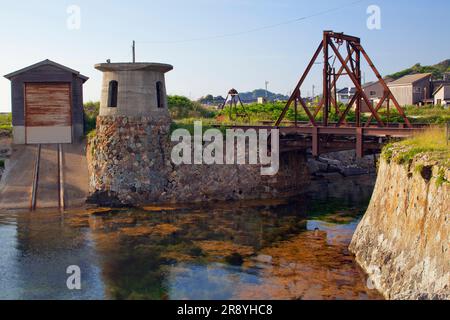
134, 51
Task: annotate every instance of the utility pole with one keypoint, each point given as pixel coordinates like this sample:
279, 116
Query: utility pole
134, 51
313, 94
267, 83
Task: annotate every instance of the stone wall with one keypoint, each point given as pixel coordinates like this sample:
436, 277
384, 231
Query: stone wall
129, 163
403, 240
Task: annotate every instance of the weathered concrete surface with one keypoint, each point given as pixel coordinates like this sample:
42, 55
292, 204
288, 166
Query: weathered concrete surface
17, 180
403, 240
137, 83
76, 175
16, 183
48, 191
130, 164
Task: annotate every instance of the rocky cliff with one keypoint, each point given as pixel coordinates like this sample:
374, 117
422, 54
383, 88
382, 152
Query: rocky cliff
403, 240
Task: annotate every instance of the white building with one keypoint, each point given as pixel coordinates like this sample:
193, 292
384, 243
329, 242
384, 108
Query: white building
442, 95
345, 95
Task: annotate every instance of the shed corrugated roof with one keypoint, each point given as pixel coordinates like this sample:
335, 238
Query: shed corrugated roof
409, 79
45, 63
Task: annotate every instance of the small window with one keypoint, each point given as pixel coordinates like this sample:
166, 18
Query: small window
159, 95
112, 94
417, 90
373, 93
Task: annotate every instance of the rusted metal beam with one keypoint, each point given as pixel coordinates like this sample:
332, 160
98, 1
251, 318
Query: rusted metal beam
378, 107
342, 36
358, 86
326, 79
310, 116
297, 88
342, 118
385, 86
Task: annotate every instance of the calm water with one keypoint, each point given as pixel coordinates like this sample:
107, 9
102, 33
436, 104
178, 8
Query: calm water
294, 249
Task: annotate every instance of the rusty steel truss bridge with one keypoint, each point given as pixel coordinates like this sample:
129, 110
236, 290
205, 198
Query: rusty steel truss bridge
322, 135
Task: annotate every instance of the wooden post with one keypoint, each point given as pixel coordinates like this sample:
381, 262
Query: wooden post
359, 142
315, 141
326, 82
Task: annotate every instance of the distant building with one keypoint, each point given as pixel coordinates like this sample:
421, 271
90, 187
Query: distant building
261, 100
442, 95
345, 95
412, 89
374, 91
437, 83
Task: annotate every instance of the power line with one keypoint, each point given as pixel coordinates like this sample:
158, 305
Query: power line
234, 34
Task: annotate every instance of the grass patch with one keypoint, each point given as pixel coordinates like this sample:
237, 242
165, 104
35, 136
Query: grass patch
388, 152
440, 179
431, 142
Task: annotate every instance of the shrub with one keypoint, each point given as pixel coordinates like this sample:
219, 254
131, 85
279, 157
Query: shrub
181, 107
91, 111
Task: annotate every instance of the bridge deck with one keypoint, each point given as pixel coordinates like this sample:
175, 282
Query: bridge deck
322, 139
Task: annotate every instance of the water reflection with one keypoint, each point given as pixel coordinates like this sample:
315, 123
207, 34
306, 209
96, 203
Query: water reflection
247, 250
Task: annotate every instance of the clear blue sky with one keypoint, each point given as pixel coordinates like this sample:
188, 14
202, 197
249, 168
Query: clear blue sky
30, 31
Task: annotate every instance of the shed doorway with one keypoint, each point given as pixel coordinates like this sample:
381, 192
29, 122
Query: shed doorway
48, 116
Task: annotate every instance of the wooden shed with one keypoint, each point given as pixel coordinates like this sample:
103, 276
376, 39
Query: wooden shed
412, 89
47, 104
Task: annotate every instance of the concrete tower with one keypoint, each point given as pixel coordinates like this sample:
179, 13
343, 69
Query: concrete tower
130, 154
134, 89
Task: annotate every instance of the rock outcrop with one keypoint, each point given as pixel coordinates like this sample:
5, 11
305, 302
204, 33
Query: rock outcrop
403, 240
344, 162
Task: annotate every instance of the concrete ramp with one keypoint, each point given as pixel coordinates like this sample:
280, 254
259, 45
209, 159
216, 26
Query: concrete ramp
47, 191
76, 176
45, 177
17, 181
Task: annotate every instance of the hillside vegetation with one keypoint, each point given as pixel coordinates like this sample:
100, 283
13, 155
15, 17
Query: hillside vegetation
437, 70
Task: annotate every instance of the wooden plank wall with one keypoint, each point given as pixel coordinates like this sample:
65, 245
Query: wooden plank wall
48, 105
